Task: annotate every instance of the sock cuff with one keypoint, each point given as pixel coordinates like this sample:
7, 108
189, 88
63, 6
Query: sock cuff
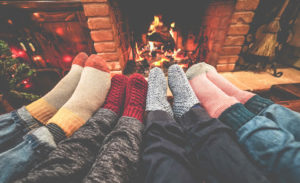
134, 112
256, 104
68, 121
41, 110
236, 116
57, 133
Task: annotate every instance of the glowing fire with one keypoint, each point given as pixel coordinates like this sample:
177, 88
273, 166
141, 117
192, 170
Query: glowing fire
160, 44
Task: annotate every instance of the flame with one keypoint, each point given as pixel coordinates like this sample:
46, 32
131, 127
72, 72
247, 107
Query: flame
138, 54
156, 23
151, 46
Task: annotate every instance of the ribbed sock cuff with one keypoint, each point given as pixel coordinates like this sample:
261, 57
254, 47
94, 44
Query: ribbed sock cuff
256, 104
57, 133
41, 110
134, 112
236, 116
68, 121
113, 108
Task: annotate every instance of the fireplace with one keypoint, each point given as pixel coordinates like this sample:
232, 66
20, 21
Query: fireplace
137, 35
132, 36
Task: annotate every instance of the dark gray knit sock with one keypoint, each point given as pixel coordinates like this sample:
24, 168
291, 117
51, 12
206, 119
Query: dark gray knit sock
157, 92
184, 96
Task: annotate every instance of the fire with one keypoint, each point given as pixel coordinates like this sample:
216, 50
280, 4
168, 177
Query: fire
159, 45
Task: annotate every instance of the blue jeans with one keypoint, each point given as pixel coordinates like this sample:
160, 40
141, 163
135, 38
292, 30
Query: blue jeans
17, 161
269, 138
13, 126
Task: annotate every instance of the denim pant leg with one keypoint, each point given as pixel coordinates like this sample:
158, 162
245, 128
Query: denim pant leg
273, 147
16, 162
13, 126
284, 117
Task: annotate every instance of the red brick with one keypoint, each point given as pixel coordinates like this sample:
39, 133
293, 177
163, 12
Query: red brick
109, 57
228, 59
99, 23
234, 40
114, 66
231, 50
216, 47
245, 17
224, 22
246, 5
225, 67
102, 35
101, 47
220, 35
239, 29
96, 9
93, 1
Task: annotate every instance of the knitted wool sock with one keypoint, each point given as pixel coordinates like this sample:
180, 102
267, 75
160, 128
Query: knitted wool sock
136, 93
229, 88
88, 96
214, 100
116, 95
184, 97
44, 108
157, 92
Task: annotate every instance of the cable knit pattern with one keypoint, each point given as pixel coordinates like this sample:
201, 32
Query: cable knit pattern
73, 157
116, 95
184, 96
157, 92
136, 93
118, 158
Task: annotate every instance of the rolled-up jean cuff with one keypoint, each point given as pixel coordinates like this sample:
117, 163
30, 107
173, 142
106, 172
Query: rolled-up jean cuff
28, 120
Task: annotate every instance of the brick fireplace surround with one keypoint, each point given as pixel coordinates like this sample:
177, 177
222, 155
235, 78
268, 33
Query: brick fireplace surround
228, 22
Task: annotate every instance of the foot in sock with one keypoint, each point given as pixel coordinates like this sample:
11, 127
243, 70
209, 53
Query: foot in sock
157, 92
222, 83
44, 108
136, 93
184, 97
214, 100
88, 96
199, 68
116, 96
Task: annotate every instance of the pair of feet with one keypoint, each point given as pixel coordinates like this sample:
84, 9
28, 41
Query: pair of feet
127, 96
184, 97
76, 97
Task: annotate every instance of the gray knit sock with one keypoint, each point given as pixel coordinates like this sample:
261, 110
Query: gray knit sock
157, 92
184, 96
199, 68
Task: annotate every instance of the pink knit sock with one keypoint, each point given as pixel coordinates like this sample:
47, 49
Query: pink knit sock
229, 88
214, 100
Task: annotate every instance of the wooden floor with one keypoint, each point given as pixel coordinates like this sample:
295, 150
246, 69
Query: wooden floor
247, 80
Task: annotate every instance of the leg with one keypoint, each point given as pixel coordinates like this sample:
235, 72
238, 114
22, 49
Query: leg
118, 157
217, 155
274, 148
73, 157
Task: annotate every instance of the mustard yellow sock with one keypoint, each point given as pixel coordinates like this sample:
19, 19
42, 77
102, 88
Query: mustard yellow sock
41, 110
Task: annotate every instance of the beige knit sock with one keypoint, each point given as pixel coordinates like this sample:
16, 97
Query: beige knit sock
44, 108
88, 96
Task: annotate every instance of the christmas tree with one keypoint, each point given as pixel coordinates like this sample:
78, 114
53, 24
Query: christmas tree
14, 75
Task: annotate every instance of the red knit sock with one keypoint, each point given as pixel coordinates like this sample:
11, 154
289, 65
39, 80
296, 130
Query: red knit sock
115, 98
214, 100
229, 88
136, 93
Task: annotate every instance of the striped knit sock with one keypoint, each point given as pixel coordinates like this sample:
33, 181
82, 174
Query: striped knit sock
88, 96
44, 108
184, 96
157, 92
136, 93
115, 98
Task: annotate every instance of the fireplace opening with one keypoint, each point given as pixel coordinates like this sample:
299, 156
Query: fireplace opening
162, 33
